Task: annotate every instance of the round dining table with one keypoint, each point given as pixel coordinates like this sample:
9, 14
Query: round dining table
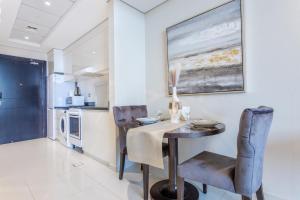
167, 189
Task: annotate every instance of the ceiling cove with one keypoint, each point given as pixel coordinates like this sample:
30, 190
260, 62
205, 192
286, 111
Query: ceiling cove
36, 19
144, 6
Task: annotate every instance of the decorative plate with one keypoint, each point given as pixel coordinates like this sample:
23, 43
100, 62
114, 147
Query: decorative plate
203, 123
147, 120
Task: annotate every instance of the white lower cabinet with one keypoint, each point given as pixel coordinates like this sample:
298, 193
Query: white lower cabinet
99, 137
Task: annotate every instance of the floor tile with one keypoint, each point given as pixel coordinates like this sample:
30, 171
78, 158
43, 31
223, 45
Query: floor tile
45, 170
14, 189
95, 193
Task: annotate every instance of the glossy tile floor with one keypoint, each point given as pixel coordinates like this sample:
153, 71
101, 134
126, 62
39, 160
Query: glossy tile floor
46, 170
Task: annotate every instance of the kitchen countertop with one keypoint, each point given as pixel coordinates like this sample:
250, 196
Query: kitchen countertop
83, 108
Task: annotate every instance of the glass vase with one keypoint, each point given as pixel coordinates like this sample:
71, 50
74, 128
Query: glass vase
175, 107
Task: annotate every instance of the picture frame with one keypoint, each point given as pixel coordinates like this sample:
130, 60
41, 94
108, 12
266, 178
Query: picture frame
228, 77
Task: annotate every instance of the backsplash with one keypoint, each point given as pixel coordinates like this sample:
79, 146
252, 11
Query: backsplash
95, 90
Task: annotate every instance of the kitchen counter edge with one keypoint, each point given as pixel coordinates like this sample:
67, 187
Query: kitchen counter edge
83, 108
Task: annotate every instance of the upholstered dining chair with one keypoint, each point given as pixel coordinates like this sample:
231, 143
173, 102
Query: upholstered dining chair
125, 118
242, 175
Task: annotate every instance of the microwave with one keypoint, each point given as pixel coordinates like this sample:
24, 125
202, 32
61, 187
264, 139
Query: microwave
75, 101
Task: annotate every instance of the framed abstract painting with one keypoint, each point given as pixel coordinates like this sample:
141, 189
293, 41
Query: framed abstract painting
209, 49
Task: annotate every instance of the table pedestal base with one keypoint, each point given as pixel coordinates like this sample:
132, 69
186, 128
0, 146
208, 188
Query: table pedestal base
160, 191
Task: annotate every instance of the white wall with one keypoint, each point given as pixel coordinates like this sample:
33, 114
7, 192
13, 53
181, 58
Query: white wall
127, 81
102, 96
272, 45
129, 55
21, 52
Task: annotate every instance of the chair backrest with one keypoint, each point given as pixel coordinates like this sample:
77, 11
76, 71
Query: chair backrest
253, 133
123, 114
127, 114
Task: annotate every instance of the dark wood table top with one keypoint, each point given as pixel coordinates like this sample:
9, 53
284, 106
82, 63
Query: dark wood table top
188, 132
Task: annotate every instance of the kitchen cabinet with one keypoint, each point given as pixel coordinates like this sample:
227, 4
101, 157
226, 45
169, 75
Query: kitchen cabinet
57, 63
98, 136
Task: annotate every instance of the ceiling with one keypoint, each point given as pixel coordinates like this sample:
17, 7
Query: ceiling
31, 25
144, 5
34, 25
83, 17
36, 18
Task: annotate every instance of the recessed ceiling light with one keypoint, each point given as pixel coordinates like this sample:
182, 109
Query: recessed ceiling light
94, 52
26, 38
47, 3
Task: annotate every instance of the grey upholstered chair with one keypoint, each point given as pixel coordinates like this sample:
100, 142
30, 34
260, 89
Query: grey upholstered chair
242, 175
125, 118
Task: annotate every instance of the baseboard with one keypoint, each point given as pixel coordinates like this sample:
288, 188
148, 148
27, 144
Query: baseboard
273, 197
103, 162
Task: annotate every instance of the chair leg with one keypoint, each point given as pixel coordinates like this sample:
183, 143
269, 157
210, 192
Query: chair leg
246, 198
122, 165
146, 180
180, 188
260, 193
204, 188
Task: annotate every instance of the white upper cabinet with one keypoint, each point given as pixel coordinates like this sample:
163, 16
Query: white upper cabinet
56, 63
89, 55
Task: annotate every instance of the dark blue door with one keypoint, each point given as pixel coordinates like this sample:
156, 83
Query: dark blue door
22, 99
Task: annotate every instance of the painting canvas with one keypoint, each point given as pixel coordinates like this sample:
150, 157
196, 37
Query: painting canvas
208, 48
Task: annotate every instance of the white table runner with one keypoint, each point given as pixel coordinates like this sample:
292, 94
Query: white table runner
144, 144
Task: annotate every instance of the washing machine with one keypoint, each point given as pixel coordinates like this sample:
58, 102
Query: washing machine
62, 132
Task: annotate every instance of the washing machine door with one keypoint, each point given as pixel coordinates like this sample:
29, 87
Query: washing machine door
63, 127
